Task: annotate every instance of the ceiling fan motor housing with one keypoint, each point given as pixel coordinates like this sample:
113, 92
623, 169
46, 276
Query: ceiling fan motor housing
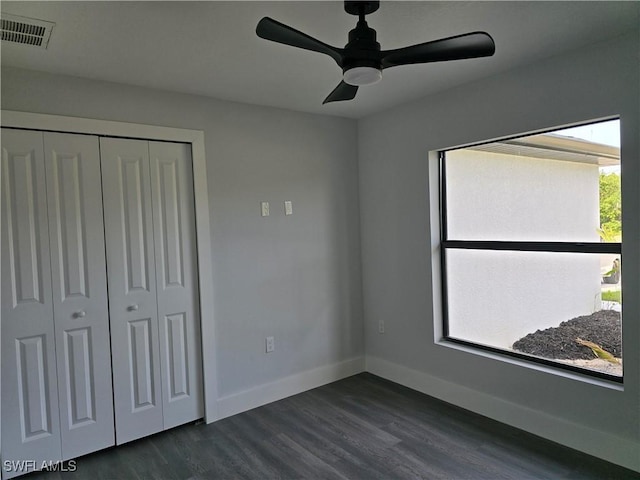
362, 50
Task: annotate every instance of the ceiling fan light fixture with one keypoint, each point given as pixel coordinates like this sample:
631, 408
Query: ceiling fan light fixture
360, 76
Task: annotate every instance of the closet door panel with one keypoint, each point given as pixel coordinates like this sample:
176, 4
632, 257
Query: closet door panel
79, 292
30, 418
176, 280
132, 291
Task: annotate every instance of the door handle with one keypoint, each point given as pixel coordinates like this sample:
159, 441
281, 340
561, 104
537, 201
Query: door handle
79, 314
132, 308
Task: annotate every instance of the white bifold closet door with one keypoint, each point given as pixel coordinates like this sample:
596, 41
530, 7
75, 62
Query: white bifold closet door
153, 290
79, 287
30, 418
56, 374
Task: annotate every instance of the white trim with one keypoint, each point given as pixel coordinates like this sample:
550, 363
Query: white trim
604, 445
285, 387
57, 123
434, 220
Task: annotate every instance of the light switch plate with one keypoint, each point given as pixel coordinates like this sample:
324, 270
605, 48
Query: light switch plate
288, 207
264, 208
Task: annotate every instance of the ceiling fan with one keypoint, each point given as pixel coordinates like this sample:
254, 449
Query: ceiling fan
361, 59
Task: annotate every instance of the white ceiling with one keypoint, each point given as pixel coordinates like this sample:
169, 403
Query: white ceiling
210, 48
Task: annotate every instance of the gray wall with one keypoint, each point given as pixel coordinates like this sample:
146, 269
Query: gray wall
395, 206
296, 278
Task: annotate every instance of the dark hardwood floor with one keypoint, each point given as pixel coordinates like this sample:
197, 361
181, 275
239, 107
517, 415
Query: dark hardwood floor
362, 427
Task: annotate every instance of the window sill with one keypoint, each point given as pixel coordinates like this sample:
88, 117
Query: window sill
585, 376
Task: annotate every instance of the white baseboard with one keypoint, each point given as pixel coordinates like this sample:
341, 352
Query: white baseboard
285, 387
612, 448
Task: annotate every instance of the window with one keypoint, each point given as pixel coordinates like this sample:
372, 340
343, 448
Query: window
531, 247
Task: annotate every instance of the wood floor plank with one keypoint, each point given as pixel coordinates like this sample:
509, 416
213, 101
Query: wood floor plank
362, 427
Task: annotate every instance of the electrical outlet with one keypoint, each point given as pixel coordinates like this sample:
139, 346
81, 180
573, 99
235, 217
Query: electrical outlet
270, 344
288, 207
381, 326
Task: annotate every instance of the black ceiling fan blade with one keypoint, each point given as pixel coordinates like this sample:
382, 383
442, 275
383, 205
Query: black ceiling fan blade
270, 29
468, 45
343, 91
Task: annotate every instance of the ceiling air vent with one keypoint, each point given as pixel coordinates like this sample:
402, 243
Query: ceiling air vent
26, 31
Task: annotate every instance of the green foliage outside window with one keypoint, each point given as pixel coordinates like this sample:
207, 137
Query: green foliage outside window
610, 207
612, 296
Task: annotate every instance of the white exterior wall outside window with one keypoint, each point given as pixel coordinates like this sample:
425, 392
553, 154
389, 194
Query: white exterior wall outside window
540, 188
495, 298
